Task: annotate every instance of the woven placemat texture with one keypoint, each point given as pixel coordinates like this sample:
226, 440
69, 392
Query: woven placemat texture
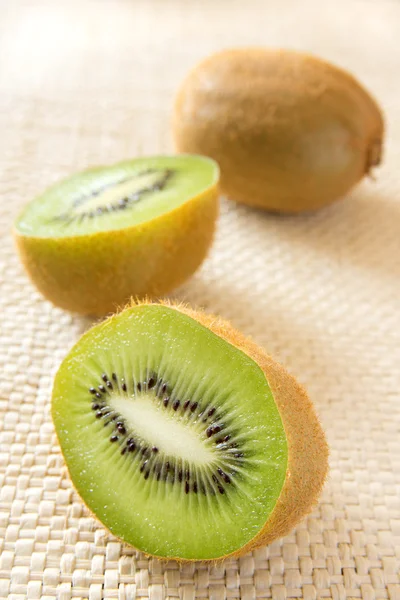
92, 82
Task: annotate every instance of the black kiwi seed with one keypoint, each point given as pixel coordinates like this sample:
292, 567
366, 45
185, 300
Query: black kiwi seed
146, 475
97, 395
167, 465
238, 455
121, 428
124, 449
164, 388
186, 487
166, 401
176, 404
102, 388
132, 447
139, 387
109, 385
151, 383
211, 412
114, 438
186, 404
217, 428
92, 390
95, 406
194, 406
142, 468
226, 438
104, 377
99, 414
114, 376
180, 475
195, 487
154, 449
210, 431
123, 385
224, 476
221, 489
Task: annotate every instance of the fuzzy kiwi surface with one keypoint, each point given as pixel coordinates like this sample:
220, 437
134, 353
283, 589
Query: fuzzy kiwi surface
183, 437
136, 228
290, 132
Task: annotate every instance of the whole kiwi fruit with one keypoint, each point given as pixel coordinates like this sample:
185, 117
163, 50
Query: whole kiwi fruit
136, 228
184, 437
290, 132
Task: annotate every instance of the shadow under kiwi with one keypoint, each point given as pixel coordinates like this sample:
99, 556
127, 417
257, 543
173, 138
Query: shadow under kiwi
361, 229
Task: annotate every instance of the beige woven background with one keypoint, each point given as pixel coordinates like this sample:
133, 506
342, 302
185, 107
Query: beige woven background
91, 82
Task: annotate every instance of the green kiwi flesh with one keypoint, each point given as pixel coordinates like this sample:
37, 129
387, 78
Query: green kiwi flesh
171, 435
115, 197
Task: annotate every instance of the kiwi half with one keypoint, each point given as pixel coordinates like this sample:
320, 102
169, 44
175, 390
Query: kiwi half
183, 437
138, 228
290, 132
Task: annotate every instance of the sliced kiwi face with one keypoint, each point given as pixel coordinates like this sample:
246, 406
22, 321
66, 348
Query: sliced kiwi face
171, 434
123, 195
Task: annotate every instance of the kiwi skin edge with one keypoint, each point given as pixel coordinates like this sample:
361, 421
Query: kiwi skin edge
94, 274
307, 447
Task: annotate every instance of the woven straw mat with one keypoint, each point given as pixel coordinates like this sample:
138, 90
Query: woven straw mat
92, 82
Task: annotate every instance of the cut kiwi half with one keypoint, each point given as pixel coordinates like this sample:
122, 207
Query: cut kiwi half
137, 228
183, 437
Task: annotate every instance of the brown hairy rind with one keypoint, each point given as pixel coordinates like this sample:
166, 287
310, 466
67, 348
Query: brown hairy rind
291, 132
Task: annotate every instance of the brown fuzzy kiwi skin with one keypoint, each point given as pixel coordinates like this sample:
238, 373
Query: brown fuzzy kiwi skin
307, 447
94, 274
290, 132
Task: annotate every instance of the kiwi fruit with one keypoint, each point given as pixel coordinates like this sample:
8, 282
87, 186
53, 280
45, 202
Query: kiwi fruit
137, 228
183, 437
290, 132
